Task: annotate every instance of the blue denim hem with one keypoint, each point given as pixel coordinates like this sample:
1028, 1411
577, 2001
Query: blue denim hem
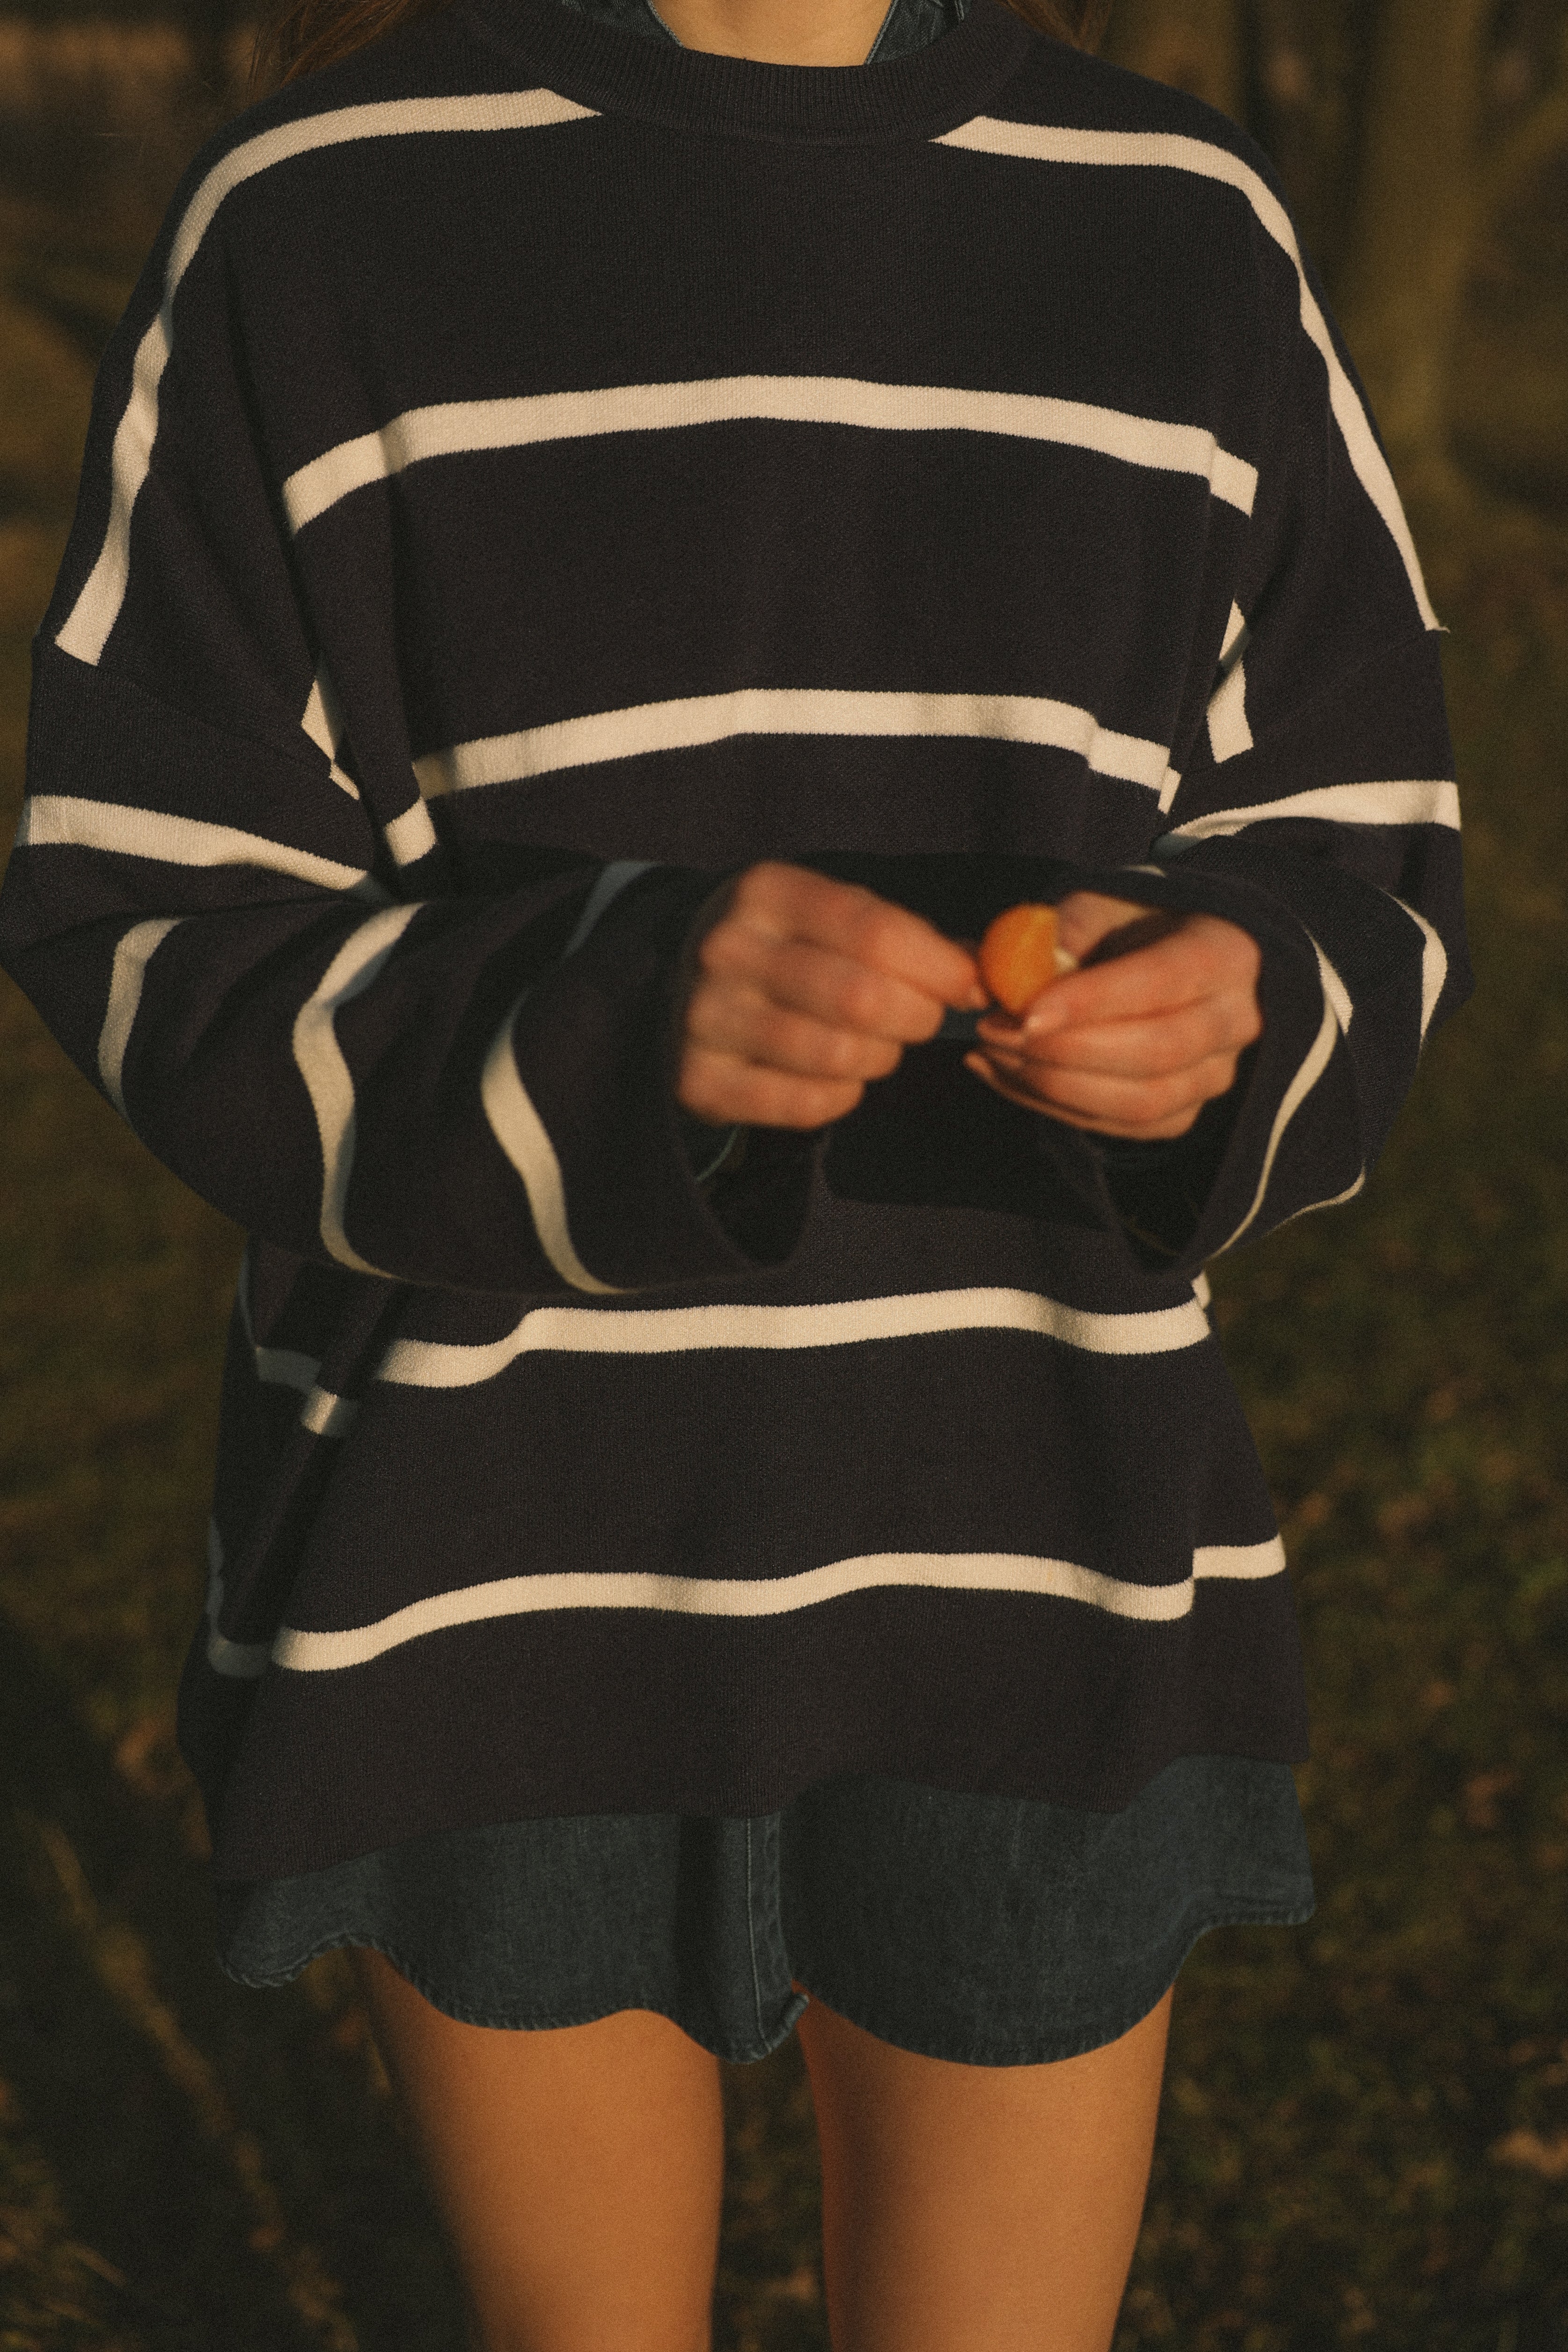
1109, 2025
1093, 2033
463, 2013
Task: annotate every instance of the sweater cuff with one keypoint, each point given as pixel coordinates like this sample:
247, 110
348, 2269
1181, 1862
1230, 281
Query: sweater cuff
712, 1150
1161, 1189
1127, 1151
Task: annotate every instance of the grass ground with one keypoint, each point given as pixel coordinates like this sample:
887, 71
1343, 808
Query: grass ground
1364, 2135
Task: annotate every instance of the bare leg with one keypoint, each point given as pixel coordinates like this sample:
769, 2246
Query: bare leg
980, 2208
579, 2173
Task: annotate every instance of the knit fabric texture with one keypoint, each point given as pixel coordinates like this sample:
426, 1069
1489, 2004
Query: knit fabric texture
542, 472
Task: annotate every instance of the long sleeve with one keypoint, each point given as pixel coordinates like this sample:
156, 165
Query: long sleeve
244, 926
1317, 808
1312, 802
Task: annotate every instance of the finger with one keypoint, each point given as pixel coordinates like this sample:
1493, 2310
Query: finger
1142, 1131
840, 984
756, 1026
1148, 1132
1085, 917
1204, 957
1159, 1046
725, 1089
1120, 1105
794, 904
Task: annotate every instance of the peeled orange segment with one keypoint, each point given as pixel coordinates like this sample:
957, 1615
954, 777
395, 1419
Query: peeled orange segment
1019, 956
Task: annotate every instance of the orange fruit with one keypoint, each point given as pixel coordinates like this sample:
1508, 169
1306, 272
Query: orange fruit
1019, 956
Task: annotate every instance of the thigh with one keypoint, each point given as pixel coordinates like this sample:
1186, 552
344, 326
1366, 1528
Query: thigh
980, 2208
579, 2171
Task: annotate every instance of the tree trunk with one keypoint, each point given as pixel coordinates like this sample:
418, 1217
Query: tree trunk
1419, 213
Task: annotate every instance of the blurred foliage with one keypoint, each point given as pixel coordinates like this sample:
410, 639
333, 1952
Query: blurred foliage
1365, 2137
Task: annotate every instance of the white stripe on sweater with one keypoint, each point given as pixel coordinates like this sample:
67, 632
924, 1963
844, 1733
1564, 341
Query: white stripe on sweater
1317, 1061
793, 710
1334, 989
1404, 802
130, 960
516, 1123
1171, 151
1014, 1572
578, 1331
328, 1079
323, 723
1434, 963
678, 1331
1229, 733
1336, 1201
460, 428
410, 836
52, 820
96, 610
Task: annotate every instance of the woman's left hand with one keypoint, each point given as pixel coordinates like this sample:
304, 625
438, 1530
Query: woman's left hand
1135, 1046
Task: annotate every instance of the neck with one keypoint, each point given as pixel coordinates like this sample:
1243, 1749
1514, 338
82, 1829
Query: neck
778, 32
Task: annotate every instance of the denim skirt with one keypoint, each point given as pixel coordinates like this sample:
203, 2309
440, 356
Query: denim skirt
996, 1931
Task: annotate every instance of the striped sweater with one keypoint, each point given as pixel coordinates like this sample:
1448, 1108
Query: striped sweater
543, 471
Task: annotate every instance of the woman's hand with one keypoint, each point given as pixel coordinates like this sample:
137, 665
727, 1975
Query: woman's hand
802, 990
1135, 1046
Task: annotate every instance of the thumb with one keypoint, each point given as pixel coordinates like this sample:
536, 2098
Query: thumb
975, 998
1087, 919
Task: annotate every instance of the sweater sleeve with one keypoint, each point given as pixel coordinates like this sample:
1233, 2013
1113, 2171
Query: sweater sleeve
1310, 799
1315, 806
257, 945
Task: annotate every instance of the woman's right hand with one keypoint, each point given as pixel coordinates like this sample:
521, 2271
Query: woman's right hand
800, 989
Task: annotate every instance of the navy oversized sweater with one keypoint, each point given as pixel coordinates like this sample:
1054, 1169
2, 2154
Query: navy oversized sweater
542, 472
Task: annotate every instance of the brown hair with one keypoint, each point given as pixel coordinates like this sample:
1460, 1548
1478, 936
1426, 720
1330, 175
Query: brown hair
302, 35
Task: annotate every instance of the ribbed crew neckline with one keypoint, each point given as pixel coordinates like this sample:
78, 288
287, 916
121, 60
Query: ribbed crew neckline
917, 96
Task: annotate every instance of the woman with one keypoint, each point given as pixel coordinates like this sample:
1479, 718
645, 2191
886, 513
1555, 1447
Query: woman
614, 539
